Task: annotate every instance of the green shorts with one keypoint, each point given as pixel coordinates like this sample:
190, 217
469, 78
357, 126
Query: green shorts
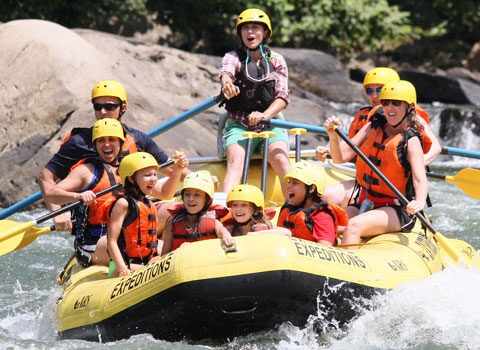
233, 134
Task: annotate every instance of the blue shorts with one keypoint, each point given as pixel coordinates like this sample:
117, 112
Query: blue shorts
232, 134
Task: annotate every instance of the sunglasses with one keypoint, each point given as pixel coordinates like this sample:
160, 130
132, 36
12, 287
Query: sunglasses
106, 106
396, 103
369, 91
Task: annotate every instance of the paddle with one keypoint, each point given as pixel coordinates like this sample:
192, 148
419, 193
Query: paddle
13, 234
467, 179
460, 152
449, 248
162, 128
321, 130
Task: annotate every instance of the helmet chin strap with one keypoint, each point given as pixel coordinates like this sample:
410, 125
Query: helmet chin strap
401, 121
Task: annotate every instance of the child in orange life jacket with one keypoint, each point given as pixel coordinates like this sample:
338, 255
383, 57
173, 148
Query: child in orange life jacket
195, 219
247, 216
132, 229
305, 213
396, 144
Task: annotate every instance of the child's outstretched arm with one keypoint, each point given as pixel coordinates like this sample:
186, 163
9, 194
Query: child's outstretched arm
166, 190
114, 226
223, 234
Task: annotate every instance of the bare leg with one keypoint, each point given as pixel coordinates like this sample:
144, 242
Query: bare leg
370, 223
279, 161
235, 159
339, 193
100, 255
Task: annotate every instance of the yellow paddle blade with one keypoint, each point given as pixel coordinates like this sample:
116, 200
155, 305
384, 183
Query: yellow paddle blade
468, 180
11, 234
455, 250
31, 234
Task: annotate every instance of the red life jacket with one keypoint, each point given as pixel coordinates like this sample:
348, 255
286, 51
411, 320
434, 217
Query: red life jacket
138, 237
204, 228
230, 223
299, 220
361, 118
389, 155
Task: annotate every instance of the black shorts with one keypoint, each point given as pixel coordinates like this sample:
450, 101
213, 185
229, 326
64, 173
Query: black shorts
406, 221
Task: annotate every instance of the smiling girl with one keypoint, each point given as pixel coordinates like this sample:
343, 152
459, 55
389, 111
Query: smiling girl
247, 216
305, 213
196, 219
132, 230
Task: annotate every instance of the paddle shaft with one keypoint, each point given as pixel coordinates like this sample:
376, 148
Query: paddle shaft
321, 130
98, 194
74, 204
461, 152
399, 194
187, 115
246, 163
164, 127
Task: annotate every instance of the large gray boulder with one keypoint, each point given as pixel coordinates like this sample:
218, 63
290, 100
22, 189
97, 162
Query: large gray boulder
49, 71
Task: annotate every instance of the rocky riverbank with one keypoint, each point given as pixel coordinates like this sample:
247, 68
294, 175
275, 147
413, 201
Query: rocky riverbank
49, 70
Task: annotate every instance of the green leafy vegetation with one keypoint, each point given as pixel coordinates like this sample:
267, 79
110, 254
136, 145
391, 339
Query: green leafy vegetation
345, 28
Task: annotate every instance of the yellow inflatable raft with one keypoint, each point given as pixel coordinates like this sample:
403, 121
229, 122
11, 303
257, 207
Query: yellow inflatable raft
202, 291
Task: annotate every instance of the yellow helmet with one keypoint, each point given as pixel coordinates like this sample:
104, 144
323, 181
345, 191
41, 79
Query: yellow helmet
401, 90
135, 162
309, 173
200, 181
380, 76
254, 15
247, 193
107, 127
109, 88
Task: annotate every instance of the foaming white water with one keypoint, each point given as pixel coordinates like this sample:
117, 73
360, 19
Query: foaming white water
440, 312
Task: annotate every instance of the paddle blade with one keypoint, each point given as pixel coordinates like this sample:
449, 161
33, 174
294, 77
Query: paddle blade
15, 236
468, 180
9, 228
32, 234
455, 250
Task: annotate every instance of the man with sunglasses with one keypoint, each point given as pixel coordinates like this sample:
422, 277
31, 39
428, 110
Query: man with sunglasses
109, 100
255, 83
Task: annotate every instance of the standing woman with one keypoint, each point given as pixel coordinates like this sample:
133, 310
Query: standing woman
396, 144
255, 82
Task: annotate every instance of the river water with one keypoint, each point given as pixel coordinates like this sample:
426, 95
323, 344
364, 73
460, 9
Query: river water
441, 312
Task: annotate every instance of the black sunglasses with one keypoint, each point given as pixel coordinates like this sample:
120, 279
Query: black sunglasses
106, 106
396, 103
370, 91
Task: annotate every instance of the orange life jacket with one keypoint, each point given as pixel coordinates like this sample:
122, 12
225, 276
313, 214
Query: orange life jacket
90, 221
230, 223
204, 228
299, 220
361, 118
389, 155
138, 237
